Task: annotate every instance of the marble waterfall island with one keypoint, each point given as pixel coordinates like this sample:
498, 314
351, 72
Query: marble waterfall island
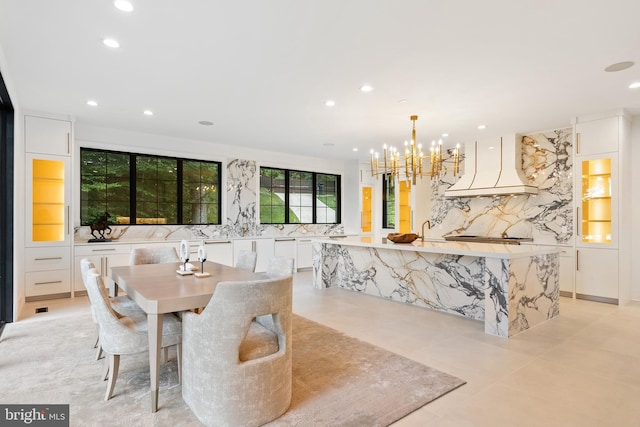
509, 287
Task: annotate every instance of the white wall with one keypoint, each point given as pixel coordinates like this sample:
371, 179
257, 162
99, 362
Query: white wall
635, 206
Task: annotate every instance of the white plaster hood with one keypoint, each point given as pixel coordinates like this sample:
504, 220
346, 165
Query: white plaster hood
493, 168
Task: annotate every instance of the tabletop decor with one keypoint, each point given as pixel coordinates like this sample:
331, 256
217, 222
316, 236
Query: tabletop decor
202, 257
184, 257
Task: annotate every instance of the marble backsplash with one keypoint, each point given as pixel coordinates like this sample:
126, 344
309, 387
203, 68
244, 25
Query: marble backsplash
546, 217
241, 221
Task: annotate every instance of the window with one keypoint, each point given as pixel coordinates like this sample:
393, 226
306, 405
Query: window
298, 197
388, 202
146, 189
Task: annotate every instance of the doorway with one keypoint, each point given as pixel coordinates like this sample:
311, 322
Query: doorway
6, 211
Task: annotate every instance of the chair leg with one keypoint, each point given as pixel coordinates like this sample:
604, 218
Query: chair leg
114, 363
97, 340
165, 355
105, 371
179, 359
99, 352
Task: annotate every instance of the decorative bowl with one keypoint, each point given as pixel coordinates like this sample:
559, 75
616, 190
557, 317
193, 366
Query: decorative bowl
402, 237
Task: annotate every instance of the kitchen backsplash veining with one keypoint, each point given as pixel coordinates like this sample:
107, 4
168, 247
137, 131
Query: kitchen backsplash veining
241, 197
546, 217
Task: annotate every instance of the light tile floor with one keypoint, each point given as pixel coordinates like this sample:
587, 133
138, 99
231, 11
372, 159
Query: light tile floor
580, 369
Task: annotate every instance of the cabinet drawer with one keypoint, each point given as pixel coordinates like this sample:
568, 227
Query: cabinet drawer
40, 283
101, 249
44, 259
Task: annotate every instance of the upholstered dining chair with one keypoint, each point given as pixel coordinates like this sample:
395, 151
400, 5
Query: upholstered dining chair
121, 304
280, 266
235, 370
247, 260
153, 255
126, 334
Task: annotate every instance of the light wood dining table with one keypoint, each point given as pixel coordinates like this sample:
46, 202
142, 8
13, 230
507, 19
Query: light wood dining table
159, 289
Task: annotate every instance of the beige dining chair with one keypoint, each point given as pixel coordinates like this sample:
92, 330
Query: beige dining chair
247, 260
153, 255
236, 371
122, 304
126, 334
280, 266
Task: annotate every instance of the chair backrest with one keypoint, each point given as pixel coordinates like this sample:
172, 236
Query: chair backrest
280, 266
247, 260
153, 255
234, 305
117, 333
85, 266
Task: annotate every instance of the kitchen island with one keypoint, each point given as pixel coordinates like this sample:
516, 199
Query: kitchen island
509, 287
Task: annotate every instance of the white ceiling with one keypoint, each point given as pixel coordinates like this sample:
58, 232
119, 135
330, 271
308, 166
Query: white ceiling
261, 70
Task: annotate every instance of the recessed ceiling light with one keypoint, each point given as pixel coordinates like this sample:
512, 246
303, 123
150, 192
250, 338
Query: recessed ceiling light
148, 113
634, 85
328, 144
366, 88
111, 43
123, 5
205, 123
92, 103
402, 101
355, 149
619, 66
444, 135
330, 103
482, 127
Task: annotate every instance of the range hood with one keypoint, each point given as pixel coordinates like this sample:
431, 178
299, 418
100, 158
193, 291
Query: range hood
493, 168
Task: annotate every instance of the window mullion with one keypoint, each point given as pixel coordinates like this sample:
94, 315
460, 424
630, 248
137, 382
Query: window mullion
179, 192
286, 197
314, 196
133, 179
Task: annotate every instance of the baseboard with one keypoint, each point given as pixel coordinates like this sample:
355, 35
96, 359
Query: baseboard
567, 294
80, 293
598, 299
49, 296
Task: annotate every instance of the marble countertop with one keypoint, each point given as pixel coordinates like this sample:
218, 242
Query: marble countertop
487, 250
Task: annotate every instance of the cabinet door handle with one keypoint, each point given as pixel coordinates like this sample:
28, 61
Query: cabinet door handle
214, 242
304, 241
577, 142
103, 250
68, 143
47, 283
577, 260
578, 221
106, 266
68, 220
285, 240
253, 245
48, 258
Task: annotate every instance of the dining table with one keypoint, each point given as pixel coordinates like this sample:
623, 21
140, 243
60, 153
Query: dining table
159, 289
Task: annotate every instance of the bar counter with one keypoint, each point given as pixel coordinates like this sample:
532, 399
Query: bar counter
509, 287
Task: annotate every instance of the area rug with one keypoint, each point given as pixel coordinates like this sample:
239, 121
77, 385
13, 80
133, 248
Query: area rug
337, 380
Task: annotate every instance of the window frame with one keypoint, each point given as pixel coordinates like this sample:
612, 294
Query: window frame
287, 206
133, 185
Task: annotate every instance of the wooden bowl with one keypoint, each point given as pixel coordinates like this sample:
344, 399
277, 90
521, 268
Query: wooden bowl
402, 237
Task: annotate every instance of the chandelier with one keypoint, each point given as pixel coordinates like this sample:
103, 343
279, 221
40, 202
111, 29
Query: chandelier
410, 164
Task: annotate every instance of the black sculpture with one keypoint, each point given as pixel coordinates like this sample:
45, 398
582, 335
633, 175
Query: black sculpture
101, 225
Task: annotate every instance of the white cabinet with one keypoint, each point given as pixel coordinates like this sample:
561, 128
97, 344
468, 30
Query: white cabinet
597, 136
48, 144
220, 251
47, 273
285, 247
303, 255
602, 188
565, 275
47, 136
103, 256
597, 274
264, 247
